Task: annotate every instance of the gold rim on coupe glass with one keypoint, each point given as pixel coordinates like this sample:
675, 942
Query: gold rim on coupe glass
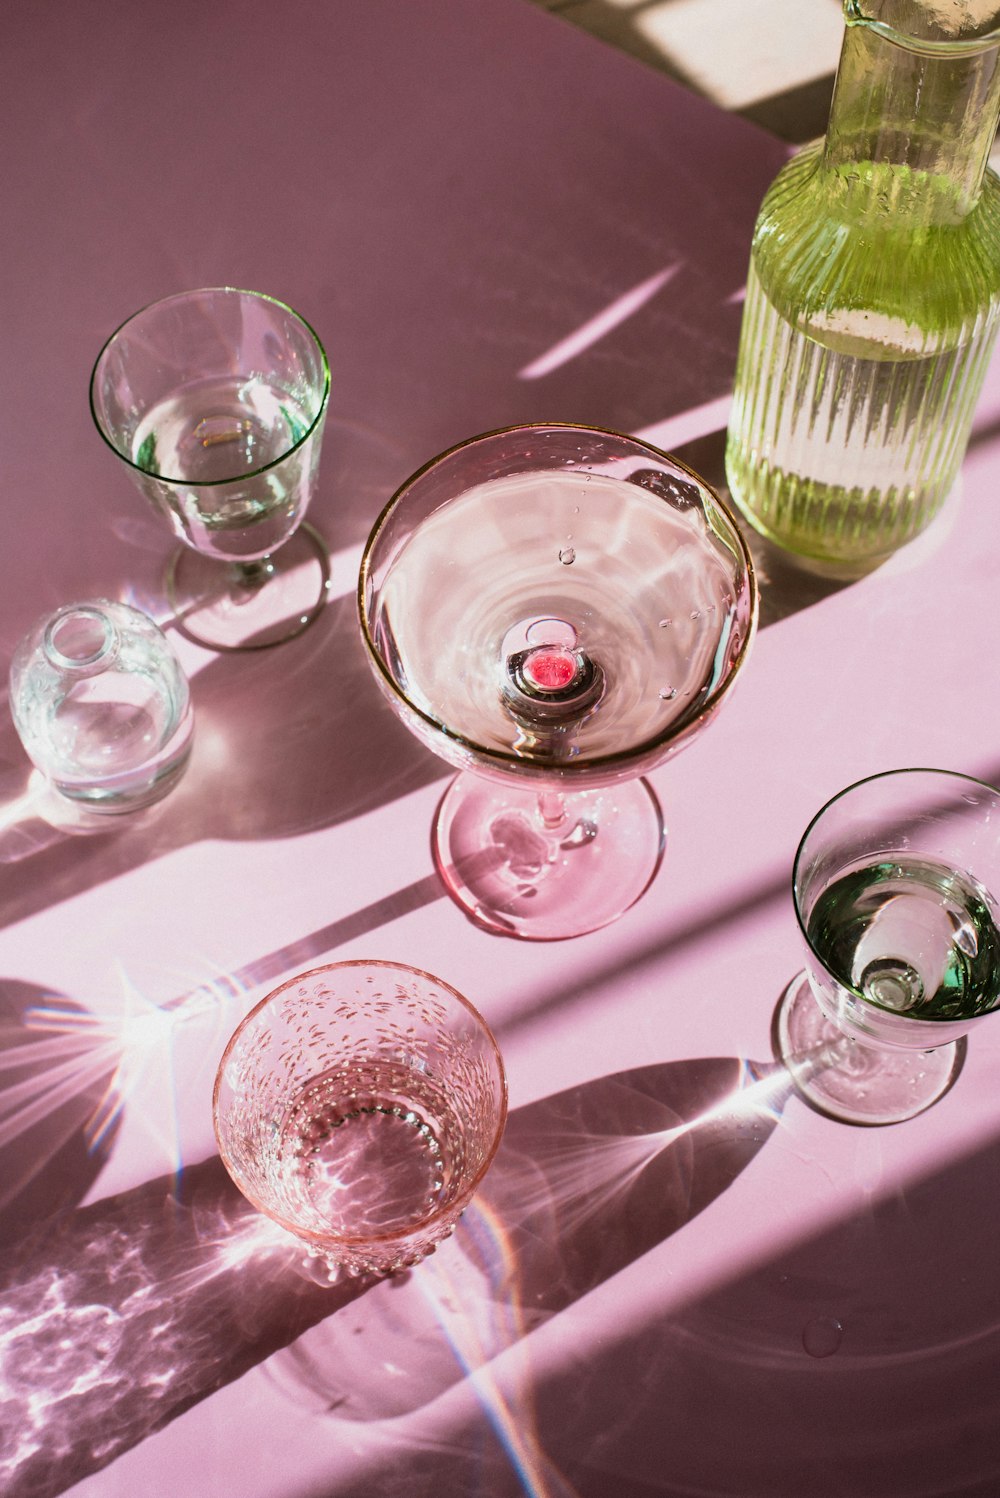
573, 768
181, 296
372, 1240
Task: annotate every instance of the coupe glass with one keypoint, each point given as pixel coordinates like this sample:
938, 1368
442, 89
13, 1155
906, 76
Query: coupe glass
556, 609
893, 886
359, 1106
215, 400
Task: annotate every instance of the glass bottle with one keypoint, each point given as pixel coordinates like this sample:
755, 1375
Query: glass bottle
102, 706
873, 293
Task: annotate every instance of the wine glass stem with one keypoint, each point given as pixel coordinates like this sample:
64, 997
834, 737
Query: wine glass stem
551, 809
255, 573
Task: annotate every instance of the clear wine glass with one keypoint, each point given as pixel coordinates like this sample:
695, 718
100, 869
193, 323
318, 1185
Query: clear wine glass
216, 400
359, 1106
893, 888
556, 610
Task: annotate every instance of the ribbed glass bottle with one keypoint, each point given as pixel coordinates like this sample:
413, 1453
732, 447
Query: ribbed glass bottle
873, 296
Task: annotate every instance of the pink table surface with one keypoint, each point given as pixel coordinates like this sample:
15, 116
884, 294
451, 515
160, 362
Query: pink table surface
489, 218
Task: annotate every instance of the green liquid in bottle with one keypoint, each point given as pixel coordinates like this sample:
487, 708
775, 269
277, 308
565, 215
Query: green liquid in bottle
871, 312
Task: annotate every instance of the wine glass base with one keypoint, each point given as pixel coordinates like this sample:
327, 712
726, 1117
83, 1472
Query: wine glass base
517, 875
851, 1082
215, 606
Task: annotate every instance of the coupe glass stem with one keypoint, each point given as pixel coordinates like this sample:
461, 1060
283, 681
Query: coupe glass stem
551, 809
254, 574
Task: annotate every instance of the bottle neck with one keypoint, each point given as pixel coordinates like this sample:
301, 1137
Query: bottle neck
81, 640
928, 105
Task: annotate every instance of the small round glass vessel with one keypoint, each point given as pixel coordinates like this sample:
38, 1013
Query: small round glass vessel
359, 1106
215, 400
893, 886
102, 706
555, 611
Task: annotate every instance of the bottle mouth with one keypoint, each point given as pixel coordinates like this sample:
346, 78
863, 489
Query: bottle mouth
935, 28
80, 639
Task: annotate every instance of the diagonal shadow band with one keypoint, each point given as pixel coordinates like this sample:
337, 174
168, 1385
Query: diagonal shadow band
284, 960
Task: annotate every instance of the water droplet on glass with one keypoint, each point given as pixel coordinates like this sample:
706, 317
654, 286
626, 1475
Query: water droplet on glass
567, 556
822, 1337
667, 694
583, 832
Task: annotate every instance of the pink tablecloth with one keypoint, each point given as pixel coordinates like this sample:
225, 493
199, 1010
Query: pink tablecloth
489, 218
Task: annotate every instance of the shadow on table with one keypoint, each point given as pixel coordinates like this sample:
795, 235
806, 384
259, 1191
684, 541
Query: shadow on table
117, 1317
286, 742
861, 1362
797, 114
585, 1183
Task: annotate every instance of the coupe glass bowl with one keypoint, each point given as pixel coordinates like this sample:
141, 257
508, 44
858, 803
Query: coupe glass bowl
555, 611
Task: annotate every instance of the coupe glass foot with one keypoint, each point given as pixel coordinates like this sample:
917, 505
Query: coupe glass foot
545, 866
851, 1082
215, 605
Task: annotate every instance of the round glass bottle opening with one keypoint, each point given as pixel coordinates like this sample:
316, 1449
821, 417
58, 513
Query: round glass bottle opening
80, 640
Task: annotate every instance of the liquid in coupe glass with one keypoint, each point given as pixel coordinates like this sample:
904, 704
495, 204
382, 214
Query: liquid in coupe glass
557, 609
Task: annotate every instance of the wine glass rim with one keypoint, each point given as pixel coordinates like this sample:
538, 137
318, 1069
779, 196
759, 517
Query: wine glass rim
584, 767
898, 774
370, 1239
182, 296
943, 46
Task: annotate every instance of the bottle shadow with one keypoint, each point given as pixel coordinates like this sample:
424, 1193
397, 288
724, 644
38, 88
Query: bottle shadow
121, 1315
